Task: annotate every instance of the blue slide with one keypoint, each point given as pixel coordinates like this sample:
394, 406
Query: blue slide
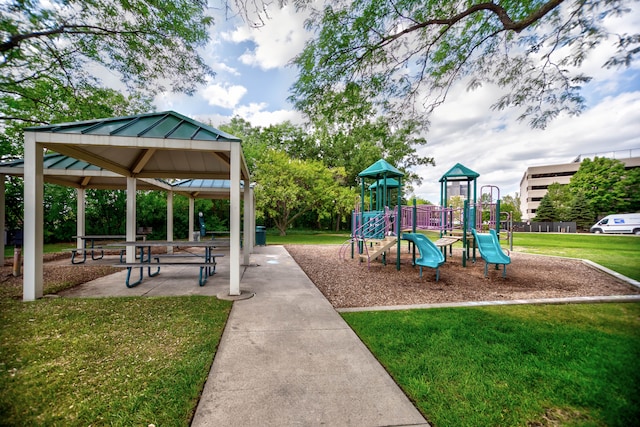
430, 255
491, 251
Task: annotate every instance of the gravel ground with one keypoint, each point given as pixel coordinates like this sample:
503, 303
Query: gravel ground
349, 283
58, 274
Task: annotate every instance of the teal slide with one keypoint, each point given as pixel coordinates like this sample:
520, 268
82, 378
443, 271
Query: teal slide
430, 255
491, 251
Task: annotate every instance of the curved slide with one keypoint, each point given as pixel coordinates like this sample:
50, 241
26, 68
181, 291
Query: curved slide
430, 255
491, 251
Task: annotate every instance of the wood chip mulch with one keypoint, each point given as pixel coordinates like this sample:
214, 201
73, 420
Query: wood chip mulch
350, 283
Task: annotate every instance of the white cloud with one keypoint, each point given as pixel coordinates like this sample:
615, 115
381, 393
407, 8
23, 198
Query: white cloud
500, 149
225, 96
222, 67
256, 114
281, 38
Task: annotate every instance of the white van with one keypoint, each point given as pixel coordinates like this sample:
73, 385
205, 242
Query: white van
620, 223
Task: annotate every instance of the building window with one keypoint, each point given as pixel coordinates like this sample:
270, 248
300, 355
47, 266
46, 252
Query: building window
552, 174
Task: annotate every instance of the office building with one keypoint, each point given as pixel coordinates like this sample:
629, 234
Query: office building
536, 179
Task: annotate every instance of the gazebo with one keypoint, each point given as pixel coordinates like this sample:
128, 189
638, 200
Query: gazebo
163, 145
69, 172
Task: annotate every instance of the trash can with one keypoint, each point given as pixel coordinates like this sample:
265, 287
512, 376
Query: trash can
261, 235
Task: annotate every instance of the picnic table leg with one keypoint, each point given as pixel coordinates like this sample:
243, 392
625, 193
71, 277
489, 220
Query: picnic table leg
203, 276
73, 256
93, 257
211, 260
128, 283
149, 273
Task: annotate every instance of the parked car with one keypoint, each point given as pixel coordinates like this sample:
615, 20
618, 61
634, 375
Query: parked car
620, 223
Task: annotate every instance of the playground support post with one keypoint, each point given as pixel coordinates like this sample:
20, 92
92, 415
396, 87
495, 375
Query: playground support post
465, 222
399, 223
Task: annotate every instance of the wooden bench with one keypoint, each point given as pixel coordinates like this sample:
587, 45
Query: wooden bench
206, 268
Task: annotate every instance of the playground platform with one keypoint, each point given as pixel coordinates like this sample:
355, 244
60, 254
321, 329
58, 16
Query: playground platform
286, 357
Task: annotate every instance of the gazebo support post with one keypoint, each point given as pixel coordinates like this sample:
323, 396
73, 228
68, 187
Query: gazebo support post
2, 215
80, 215
170, 220
234, 220
248, 207
32, 287
192, 213
131, 217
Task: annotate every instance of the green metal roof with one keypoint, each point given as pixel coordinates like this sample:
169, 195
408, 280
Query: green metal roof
390, 183
196, 184
67, 171
55, 161
380, 169
167, 125
459, 173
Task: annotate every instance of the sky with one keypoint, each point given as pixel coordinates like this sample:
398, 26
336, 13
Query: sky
253, 77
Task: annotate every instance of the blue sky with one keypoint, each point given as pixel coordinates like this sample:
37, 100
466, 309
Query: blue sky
253, 81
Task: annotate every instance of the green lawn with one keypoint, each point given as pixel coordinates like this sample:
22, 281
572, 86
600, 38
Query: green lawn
305, 237
569, 365
108, 361
619, 253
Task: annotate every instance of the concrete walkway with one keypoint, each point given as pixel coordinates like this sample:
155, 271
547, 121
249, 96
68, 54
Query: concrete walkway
286, 357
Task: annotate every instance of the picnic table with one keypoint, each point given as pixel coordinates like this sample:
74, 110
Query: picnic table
89, 245
146, 259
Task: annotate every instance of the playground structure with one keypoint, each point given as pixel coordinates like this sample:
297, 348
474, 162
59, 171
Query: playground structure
374, 232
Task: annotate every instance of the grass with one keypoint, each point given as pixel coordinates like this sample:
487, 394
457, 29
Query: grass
619, 253
307, 237
47, 248
111, 361
570, 365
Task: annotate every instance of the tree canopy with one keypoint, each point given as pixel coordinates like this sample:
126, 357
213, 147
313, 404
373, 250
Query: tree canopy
51, 54
405, 54
288, 188
608, 187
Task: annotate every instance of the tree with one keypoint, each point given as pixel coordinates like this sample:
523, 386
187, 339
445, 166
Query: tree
607, 186
545, 212
59, 213
51, 102
347, 131
511, 204
561, 197
106, 211
51, 53
287, 188
581, 212
147, 43
406, 54
456, 202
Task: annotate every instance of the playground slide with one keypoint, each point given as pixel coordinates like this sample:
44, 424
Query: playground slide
430, 255
491, 251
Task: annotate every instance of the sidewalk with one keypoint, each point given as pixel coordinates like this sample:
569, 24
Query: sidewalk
287, 358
